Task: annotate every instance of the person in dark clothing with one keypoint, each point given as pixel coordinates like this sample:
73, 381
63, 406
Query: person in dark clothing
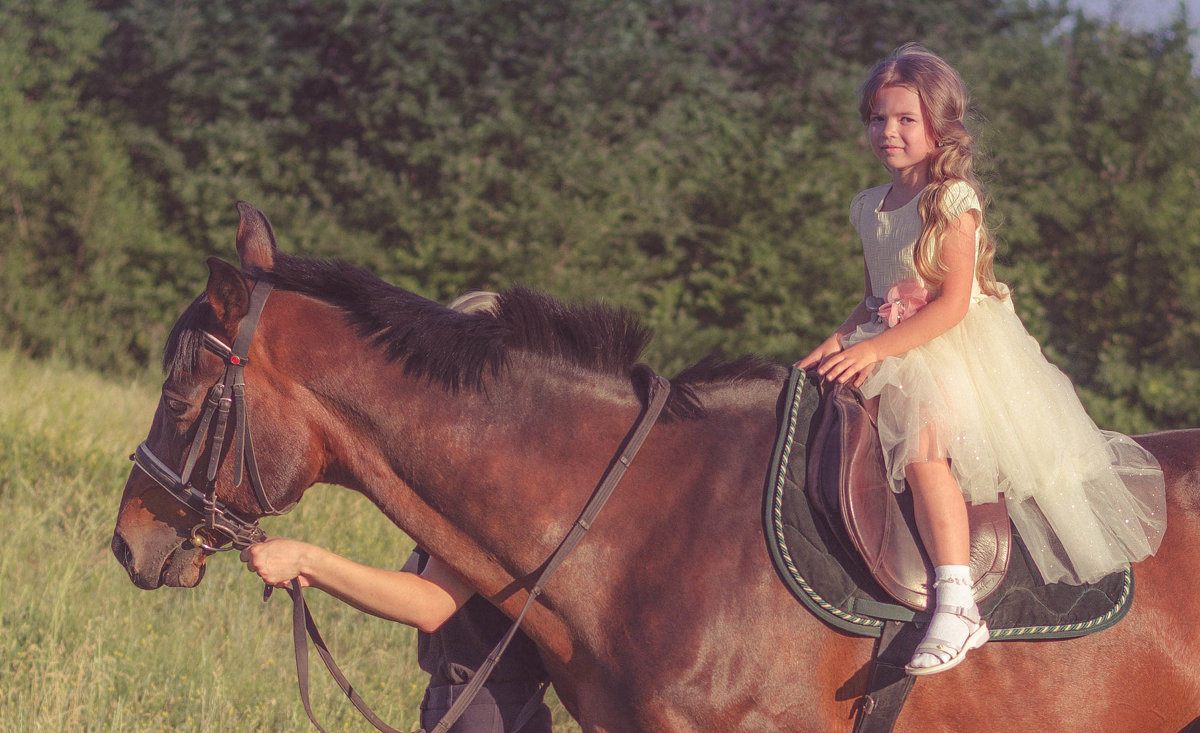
452, 654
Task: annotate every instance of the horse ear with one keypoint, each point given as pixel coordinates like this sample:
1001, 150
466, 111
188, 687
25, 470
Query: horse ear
228, 293
256, 245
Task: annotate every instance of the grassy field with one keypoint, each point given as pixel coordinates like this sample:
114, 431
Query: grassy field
82, 649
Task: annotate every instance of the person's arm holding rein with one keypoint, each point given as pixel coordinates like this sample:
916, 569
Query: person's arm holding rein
425, 601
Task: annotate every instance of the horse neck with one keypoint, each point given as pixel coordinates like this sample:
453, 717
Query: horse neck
489, 480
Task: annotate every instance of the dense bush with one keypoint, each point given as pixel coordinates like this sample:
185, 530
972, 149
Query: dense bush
690, 159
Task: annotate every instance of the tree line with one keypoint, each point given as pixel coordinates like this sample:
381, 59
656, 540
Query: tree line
691, 160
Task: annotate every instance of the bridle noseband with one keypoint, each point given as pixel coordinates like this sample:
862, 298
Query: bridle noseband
227, 396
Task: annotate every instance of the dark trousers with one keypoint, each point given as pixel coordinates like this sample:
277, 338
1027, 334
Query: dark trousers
494, 710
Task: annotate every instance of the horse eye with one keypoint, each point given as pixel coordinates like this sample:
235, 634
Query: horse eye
175, 407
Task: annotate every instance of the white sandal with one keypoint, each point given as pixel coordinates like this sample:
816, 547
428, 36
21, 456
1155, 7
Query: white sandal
950, 655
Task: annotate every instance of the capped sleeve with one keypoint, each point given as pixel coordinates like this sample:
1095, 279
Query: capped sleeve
961, 198
856, 209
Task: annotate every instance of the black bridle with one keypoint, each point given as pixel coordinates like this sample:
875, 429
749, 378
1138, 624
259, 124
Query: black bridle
227, 396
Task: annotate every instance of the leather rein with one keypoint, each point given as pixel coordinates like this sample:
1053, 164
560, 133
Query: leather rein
228, 396
302, 621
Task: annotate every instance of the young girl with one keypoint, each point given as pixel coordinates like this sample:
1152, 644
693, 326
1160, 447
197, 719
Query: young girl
969, 408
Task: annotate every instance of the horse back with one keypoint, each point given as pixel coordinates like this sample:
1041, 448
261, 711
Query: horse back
1178, 452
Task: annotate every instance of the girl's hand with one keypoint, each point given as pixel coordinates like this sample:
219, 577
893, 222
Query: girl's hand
279, 560
851, 366
828, 347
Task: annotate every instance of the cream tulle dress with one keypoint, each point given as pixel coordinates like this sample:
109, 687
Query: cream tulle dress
1085, 501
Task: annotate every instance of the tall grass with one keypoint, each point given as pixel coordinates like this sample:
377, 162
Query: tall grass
82, 649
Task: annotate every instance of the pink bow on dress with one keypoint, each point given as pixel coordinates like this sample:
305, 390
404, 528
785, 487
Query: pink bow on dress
903, 299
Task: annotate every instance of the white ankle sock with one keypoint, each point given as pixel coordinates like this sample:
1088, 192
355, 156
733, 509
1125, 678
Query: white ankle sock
952, 585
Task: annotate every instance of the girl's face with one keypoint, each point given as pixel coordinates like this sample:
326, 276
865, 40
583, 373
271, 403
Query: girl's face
899, 135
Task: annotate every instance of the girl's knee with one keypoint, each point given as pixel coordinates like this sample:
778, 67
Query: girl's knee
924, 476
930, 468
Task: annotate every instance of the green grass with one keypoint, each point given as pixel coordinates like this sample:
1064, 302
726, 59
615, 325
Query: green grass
82, 649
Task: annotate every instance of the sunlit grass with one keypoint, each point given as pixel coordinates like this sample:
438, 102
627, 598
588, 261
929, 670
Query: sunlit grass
82, 649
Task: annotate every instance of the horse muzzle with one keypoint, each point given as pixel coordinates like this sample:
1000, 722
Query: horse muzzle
152, 563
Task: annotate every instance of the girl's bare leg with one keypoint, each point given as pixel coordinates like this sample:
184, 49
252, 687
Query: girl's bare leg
941, 514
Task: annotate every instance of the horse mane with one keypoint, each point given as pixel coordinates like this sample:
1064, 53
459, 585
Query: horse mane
457, 350
182, 351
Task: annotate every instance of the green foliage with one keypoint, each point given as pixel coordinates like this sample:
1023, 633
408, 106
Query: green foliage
82, 248
690, 159
1097, 154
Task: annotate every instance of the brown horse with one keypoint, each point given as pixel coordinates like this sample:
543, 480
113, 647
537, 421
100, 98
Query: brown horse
482, 436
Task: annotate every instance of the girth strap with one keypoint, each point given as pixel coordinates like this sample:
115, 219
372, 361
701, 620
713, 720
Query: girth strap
889, 684
303, 625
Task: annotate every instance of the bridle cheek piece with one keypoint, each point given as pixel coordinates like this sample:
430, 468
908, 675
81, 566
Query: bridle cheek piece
227, 396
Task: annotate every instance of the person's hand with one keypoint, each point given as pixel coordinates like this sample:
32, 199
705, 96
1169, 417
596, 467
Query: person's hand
279, 560
828, 347
851, 366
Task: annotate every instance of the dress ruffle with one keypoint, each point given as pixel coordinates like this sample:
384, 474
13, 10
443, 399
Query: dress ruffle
1086, 502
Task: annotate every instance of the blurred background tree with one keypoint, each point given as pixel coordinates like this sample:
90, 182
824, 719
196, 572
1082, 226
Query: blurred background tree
692, 160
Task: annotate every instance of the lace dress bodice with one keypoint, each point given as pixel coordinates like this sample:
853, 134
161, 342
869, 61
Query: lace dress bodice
888, 237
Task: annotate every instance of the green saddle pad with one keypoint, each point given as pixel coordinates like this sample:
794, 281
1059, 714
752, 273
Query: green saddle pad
828, 576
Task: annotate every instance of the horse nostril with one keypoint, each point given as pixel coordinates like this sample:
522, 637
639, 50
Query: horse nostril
122, 552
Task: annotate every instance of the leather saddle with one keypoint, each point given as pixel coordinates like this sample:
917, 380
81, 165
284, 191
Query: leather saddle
848, 486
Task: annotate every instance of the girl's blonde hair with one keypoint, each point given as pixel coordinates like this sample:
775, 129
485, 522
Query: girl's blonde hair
943, 104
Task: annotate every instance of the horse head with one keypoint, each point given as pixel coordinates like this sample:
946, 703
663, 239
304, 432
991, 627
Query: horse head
198, 485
